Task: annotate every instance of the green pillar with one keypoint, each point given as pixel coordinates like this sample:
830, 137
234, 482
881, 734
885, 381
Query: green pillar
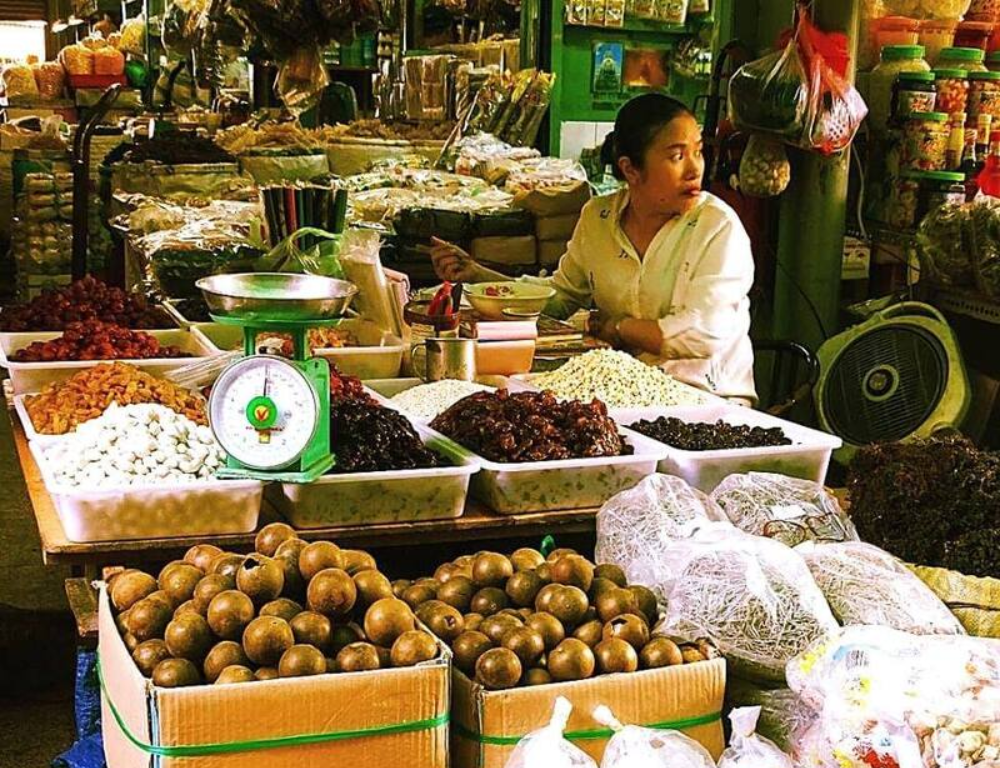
811, 229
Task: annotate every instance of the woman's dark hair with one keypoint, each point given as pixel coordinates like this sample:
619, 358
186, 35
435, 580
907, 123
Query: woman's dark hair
636, 126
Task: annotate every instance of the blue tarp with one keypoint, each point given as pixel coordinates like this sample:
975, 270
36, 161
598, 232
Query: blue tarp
88, 751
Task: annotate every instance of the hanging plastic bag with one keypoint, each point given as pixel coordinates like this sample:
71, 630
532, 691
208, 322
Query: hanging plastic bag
771, 95
764, 168
546, 747
19, 82
301, 79
985, 242
747, 749
319, 258
636, 747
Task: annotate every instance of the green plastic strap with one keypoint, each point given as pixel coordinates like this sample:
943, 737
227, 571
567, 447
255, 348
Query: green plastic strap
203, 750
548, 544
591, 735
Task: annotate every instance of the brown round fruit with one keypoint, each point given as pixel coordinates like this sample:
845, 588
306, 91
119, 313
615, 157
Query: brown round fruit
266, 673
260, 578
294, 585
317, 556
498, 669
202, 555
175, 673
131, 587
526, 559
312, 628
467, 649
356, 561
646, 602
543, 600
615, 655
630, 628
188, 636
611, 572
444, 572
491, 569
473, 621
384, 657
569, 605
590, 632
464, 561
457, 592
526, 643
495, 627
224, 654
209, 587
614, 602
598, 587
164, 598
188, 607
266, 638
371, 585
271, 536
386, 620
227, 564
290, 548
412, 648
148, 654
537, 676
691, 655
148, 619
549, 627
522, 588
178, 580
131, 642
236, 673
358, 657
418, 594
229, 613
331, 592
660, 652
345, 634
302, 661
573, 571
399, 586
283, 608
489, 600
544, 572
572, 659
555, 554
444, 621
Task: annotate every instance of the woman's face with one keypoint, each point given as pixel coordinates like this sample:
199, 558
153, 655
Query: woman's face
670, 180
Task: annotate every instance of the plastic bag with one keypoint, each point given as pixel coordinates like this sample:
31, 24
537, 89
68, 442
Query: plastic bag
784, 716
50, 77
752, 597
747, 749
787, 509
866, 585
636, 747
636, 528
944, 244
771, 95
133, 36
764, 168
546, 747
109, 61
985, 241
19, 82
77, 59
320, 258
301, 79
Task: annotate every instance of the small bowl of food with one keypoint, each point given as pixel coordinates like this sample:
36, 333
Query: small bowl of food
491, 300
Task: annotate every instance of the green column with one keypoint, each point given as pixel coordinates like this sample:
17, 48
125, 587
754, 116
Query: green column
811, 229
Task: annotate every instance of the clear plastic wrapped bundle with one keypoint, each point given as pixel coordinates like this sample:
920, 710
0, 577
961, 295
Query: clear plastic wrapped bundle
546, 747
787, 509
944, 244
747, 749
784, 716
635, 747
866, 585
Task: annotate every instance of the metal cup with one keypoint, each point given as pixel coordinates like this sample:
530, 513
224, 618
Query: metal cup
445, 358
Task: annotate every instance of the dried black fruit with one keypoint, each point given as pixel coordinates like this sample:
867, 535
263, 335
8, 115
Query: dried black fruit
696, 436
366, 437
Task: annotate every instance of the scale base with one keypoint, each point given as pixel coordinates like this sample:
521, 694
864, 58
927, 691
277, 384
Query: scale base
308, 475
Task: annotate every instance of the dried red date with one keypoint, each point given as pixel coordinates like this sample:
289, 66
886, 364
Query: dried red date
86, 299
94, 340
531, 426
365, 437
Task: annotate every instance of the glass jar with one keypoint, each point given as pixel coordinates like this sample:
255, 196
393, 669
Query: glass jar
935, 36
973, 34
969, 59
939, 188
915, 92
984, 10
928, 9
952, 90
925, 141
984, 95
901, 213
895, 60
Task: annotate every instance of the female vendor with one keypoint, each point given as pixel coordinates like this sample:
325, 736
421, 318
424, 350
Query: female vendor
666, 266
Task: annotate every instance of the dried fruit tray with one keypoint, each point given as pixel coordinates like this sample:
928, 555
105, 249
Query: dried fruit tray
163, 511
382, 497
385, 389
808, 457
32, 377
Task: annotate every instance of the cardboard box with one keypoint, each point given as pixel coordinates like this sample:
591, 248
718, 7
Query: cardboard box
556, 227
550, 251
485, 725
295, 723
555, 201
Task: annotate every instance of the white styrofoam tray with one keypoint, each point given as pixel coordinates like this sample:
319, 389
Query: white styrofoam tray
202, 508
379, 355
384, 390
382, 497
808, 457
32, 377
545, 486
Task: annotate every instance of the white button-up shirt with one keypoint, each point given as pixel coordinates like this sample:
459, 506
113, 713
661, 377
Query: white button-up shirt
693, 280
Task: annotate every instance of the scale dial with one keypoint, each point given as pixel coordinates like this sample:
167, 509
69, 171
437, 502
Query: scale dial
264, 412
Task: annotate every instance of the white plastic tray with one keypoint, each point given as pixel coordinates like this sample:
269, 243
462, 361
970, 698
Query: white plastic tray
380, 355
381, 497
32, 377
707, 398
808, 457
203, 508
385, 389
545, 486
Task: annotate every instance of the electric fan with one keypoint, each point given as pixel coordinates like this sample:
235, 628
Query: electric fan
897, 376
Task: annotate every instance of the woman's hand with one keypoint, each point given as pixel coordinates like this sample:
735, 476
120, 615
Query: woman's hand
452, 263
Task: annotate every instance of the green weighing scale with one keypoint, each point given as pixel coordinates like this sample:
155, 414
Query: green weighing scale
271, 415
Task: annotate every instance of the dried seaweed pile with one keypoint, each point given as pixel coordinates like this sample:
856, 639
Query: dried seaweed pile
933, 502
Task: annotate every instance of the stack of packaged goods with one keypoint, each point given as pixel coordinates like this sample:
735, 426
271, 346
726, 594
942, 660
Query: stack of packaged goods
42, 232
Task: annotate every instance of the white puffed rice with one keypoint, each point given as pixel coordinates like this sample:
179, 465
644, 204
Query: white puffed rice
426, 401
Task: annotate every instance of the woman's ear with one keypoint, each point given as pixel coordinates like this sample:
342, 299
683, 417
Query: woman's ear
629, 171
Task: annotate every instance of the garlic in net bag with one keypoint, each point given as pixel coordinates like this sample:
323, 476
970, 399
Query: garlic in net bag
747, 749
546, 747
633, 746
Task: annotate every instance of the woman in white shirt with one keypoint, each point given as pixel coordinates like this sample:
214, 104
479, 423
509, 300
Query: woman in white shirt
666, 265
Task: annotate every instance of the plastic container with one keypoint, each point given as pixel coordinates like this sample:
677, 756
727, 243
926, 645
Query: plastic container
974, 34
952, 90
379, 356
364, 498
928, 9
894, 30
984, 95
984, 10
385, 389
935, 36
505, 358
895, 60
915, 92
969, 59
925, 141
901, 211
32, 377
939, 188
808, 457
545, 486
204, 508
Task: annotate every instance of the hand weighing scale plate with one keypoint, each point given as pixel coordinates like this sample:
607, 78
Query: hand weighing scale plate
275, 297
